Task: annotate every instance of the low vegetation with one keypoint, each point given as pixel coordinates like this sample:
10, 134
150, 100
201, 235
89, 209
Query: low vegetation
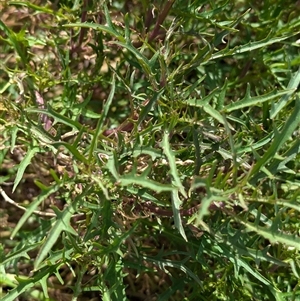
149, 150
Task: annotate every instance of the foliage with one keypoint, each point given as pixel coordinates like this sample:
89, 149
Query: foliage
150, 150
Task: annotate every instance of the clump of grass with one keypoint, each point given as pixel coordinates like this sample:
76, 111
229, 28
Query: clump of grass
150, 151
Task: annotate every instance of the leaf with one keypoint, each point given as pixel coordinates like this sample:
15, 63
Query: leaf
111, 165
146, 109
250, 270
57, 117
36, 7
24, 163
142, 60
100, 123
145, 195
249, 101
200, 103
205, 203
216, 115
99, 27
259, 144
153, 152
219, 38
164, 263
280, 138
171, 159
14, 131
24, 285
23, 252
62, 224
73, 150
274, 237
17, 41
292, 87
129, 180
252, 45
33, 206
176, 203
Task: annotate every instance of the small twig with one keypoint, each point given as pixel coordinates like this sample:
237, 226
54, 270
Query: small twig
83, 19
161, 18
149, 18
37, 212
76, 48
9, 200
157, 27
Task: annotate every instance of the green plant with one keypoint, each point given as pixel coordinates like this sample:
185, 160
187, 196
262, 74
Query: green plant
153, 149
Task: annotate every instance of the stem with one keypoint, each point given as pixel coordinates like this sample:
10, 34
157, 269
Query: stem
184, 212
161, 18
83, 19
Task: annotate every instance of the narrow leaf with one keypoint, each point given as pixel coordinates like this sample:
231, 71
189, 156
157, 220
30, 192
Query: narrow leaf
291, 124
24, 163
33, 206
172, 162
252, 46
57, 117
73, 150
62, 224
249, 101
292, 86
144, 182
176, 203
272, 236
101, 120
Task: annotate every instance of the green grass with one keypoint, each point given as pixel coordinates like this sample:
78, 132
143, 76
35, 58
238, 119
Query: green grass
149, 150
